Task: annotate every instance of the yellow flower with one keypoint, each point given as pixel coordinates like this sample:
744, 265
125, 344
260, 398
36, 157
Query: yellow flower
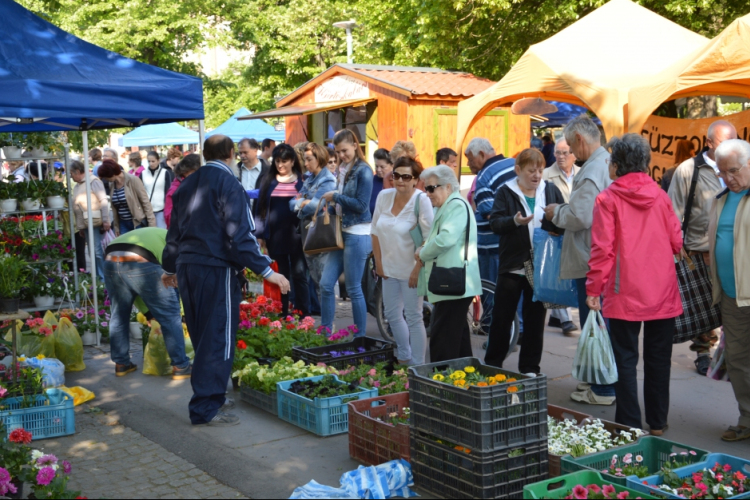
500, 378
141, 319
459, 383
438, 377
470, 369
458, 375
493, 381
40, 357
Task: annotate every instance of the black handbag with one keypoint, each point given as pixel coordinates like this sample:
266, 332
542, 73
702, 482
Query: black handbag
323, 233
451, 280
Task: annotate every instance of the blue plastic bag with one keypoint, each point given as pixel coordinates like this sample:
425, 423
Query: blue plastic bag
548, 287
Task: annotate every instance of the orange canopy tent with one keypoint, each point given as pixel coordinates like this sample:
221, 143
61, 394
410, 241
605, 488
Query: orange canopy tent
595, 63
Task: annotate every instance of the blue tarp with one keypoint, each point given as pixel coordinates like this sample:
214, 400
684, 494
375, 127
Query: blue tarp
565, 112
52, 80
160, 134
251, 129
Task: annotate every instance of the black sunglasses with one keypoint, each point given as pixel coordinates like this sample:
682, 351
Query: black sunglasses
431, 189
406, 177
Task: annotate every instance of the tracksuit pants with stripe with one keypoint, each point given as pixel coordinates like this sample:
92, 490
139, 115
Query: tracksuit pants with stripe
211, 299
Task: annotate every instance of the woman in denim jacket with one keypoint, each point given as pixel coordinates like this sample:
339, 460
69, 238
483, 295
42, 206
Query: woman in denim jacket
353, 203
320, 181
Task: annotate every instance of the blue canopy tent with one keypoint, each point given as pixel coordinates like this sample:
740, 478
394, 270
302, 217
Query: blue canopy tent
251, 129
160, 134
52, 80
565, 112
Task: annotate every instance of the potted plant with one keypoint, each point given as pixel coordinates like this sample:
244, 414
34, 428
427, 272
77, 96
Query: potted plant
54, 193
40, 144
11, 145
46, 289
15, 455
28, 195
13, 276
8, 200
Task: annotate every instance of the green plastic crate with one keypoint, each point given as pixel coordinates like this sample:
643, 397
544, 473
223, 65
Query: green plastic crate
655, 451
560, 486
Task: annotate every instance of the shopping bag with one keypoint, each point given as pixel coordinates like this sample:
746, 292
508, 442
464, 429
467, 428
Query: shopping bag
79, 394
32, 345
107, 238
594, 362
270, 290
53, 371
156, 359
548, 287
68, 346
718, 368
50, 318
699, 314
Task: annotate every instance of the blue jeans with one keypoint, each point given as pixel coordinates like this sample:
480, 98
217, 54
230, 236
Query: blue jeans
351, 260
126, 226
583, 314
127, 280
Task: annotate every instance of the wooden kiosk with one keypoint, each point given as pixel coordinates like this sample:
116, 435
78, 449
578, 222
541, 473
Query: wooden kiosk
385, 104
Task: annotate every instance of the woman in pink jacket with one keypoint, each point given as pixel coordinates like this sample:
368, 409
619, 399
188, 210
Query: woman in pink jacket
634, 237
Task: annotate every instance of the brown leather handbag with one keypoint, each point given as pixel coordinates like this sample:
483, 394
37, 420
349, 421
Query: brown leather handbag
324, 234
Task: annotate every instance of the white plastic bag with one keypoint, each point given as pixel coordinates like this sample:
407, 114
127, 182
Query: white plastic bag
718, 368
595, 361
53, 371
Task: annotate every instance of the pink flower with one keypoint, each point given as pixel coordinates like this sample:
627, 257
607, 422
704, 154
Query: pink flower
4, 475
608, 490
372, 372
628, 459
47, 459
593, 488
701, 487
623, 494
406, 386
580, 492
720, 477
45, 476
376, 383
727, 467
353, 328
66, 467
3, 392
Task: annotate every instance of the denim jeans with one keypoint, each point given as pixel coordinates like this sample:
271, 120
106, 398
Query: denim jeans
351, 260
403, 309
160, 221
315, 264
126, 226
583, 315
127, 280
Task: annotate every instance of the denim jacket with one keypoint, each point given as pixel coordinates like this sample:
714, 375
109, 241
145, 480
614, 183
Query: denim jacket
313, 189
354, 197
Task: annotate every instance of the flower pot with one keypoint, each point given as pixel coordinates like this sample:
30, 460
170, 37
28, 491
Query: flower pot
135, 331
8, 206
9, 306
44, 301
55, 202
90, 338
11, 152
40, 153
30, 205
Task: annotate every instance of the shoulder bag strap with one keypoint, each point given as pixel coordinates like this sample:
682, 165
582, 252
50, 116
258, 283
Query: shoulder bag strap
153, 188
691, 196
468, 228
416, 207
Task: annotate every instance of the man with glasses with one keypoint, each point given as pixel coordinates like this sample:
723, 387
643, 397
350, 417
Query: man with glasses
694, 186
561, 174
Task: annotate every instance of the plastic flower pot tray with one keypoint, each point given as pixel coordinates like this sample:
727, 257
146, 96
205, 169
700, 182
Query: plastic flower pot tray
461, 473
372, 441
479, 418
43, 416
375, 351
654, 450
259, 399
322, 416
650, 484
559, 413
560, 486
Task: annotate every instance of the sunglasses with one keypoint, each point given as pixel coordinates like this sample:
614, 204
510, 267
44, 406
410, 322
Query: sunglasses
431, 189
406, 177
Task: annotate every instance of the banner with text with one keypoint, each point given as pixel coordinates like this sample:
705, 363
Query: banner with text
662, 135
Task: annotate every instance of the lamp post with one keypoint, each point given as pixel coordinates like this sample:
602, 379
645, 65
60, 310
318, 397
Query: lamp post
348, 26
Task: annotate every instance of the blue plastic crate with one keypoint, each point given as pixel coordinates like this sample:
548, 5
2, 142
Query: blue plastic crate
653, 482
48, 416
324, 417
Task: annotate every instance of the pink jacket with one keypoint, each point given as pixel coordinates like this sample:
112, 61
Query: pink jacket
168, 202
634, 237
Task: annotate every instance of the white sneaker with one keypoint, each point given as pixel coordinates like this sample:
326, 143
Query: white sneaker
583, 386
590, 398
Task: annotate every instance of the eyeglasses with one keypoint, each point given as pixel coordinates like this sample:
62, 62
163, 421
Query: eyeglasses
332, 161
431, 189
406, 177
562, 153
729, 174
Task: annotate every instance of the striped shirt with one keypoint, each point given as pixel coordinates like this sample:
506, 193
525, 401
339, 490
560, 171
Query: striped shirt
121, 204
285, 190
496, 171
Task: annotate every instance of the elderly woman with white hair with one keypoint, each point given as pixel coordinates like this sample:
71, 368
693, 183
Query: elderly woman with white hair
449, 255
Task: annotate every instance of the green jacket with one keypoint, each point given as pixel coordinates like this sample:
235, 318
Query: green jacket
447, 248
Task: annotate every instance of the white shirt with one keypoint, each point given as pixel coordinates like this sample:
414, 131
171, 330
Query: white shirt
713, 165
155, 187
396, 246
249, 176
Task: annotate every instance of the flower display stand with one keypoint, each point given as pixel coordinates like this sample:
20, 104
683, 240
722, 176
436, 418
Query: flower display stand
560, 486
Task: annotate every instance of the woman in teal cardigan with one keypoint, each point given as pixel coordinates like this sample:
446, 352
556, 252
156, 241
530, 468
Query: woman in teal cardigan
445, 247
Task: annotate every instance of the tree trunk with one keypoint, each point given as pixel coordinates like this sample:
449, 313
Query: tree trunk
704, 106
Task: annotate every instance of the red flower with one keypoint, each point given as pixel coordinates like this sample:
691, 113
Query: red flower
20, 436
264, 321
241, 345
290, 326
255, 313
261, 299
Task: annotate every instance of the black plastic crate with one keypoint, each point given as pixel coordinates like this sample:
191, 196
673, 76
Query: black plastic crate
480, 418
376, 351
454, 473
254, 397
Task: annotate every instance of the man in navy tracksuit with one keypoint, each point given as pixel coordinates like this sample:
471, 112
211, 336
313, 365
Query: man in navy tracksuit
209, 243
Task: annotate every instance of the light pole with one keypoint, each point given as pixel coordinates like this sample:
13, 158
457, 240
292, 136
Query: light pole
348, 26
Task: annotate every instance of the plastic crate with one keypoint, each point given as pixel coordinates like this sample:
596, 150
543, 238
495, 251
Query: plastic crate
738, 464
254, 397
559, 413
46, 417
324, 417
654, 450
372, 441
480, 418
560, 486
454, 473
377, 351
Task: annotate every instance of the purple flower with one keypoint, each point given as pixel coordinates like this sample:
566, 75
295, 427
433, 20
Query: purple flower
347, 353
106, 302
335, 354
80, 314
35, 256
51, 280
104, 324
66, 467
44, 247
361, 349
4, 475
46, 460
45, 476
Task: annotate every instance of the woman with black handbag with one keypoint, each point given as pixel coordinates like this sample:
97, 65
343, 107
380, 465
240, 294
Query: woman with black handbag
449, 255
280, 223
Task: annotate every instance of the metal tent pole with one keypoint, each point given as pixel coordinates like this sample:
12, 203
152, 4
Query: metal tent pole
201, 138
92, 248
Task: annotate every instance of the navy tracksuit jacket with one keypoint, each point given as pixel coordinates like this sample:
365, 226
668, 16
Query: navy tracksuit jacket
209, 242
